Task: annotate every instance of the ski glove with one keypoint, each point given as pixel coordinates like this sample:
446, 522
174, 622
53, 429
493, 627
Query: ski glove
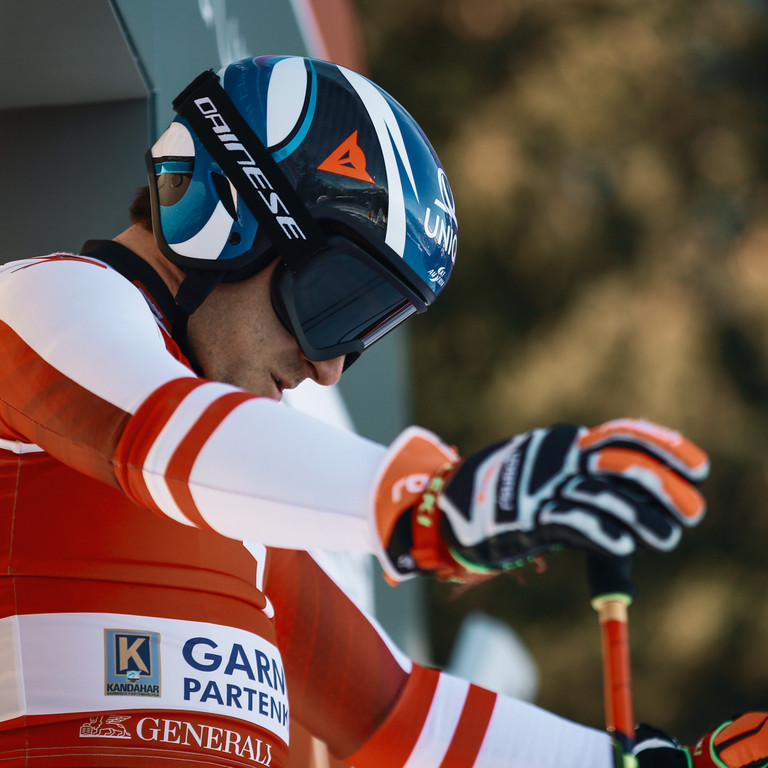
610, 489
738, 743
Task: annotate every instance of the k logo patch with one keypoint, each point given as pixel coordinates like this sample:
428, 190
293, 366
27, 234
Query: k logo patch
132, 663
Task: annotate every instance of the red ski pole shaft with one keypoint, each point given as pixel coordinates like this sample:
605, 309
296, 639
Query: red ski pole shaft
612, 593
617, 674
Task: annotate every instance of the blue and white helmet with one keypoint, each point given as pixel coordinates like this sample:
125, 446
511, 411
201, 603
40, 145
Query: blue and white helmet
354, 159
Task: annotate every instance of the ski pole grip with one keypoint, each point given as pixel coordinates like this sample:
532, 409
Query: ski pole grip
609, 576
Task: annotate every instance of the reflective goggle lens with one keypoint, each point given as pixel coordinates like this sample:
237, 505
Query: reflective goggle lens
340, 303
343, 300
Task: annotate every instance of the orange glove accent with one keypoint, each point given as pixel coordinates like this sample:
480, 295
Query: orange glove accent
412, 460
688, 503
740, 743
670, 446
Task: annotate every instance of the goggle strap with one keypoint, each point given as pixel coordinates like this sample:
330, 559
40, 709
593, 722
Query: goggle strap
248, 164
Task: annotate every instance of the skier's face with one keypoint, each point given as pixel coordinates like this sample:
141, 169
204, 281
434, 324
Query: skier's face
237, 338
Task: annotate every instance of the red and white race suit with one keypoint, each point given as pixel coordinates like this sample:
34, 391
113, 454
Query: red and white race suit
136, 627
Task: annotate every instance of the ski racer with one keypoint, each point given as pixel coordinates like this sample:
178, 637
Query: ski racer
158, 503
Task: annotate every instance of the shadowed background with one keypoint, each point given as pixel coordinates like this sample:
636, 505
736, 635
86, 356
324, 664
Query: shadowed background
609, 161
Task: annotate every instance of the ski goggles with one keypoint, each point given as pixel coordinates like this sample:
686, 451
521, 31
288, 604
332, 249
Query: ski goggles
344, 299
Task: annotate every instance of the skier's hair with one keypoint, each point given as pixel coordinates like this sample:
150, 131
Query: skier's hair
140, 210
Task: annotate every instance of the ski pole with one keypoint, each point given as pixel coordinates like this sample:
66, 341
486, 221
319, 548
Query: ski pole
612, 591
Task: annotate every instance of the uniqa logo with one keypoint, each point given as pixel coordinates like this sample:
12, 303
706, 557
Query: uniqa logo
443, 226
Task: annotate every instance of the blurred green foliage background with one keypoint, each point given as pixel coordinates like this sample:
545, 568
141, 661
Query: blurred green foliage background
609, 160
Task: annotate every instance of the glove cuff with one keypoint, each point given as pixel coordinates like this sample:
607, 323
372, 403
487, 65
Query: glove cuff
655, 748
430, 551
665, 757
408, 466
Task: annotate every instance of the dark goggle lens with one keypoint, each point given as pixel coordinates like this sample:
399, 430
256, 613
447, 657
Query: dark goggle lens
345, 303
339, 302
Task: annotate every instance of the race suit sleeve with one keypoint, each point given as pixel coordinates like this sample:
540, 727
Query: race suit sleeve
420, 718
90, 378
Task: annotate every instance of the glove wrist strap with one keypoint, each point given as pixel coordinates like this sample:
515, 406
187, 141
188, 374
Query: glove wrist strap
430, 552
405, 472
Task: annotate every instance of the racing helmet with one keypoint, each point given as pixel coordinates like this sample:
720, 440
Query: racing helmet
301, 160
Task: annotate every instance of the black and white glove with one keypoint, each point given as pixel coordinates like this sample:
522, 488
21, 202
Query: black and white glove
739, 742
655, 748
621, 485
